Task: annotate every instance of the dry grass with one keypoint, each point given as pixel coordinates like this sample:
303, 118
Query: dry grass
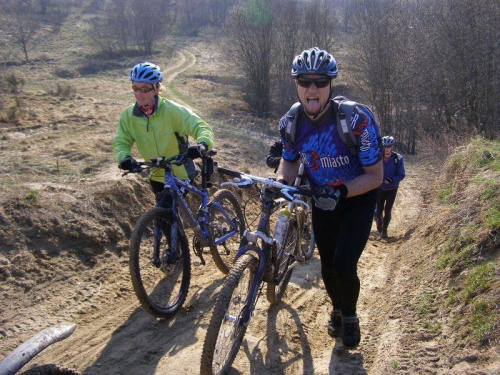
464, 230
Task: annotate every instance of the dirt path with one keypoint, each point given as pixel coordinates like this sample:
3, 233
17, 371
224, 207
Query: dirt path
115, 336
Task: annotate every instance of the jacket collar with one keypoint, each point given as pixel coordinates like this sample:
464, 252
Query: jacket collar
137, 112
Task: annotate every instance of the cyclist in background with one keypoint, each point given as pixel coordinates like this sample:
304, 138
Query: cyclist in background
158, 127
341, 220
394, 173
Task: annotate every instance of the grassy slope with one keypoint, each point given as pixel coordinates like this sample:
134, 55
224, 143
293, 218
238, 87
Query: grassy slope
463, 230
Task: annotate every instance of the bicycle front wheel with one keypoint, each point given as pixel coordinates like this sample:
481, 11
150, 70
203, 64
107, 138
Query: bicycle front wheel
219, 225
284, 259
307, 241
160, 274
225, 331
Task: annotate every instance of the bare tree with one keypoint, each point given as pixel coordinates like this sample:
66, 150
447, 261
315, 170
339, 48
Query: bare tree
285, 46
219, 9
249, 31
149, 21
192, 15
21, 20
318, 25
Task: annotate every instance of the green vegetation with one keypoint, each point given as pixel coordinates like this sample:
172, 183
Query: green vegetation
468, 236
30, 199
424, 304
431, 326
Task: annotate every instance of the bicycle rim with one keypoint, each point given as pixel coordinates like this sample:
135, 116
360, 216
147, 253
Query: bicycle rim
225, 332
223, 254
285, 258
160, 284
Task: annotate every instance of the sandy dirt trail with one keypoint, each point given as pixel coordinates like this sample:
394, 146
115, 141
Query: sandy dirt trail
115, 336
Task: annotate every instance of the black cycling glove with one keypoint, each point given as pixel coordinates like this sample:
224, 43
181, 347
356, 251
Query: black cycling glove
197, 151
128, 163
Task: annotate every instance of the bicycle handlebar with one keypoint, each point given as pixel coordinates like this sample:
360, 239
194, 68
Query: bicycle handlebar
246, 180
161, 162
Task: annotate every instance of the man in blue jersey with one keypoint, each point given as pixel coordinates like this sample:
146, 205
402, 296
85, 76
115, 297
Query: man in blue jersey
394, 173
343, 213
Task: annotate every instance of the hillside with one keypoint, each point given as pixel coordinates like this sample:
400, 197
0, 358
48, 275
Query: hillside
429, 294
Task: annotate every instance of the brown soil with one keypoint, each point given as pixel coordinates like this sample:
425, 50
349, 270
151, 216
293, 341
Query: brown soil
64, 257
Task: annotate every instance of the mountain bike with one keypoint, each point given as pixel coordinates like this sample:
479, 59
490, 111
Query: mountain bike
302, 214
160, 264
269, 263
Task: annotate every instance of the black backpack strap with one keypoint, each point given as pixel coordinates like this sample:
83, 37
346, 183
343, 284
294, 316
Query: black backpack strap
292, 117
395, 155
345, 108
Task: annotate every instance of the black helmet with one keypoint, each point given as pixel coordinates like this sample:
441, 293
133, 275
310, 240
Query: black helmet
314, 61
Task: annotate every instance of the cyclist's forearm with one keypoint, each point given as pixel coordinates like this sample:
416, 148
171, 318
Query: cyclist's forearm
288, 171
371, 179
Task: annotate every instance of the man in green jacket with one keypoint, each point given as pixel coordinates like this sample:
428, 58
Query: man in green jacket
158, 127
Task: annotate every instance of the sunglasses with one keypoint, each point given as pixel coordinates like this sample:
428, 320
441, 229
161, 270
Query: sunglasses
307, 82
142, 89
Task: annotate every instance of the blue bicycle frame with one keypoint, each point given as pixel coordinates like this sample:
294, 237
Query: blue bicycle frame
175, 188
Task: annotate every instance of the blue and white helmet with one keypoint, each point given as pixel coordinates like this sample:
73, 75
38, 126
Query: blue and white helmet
146, 72
314, 61
388, 141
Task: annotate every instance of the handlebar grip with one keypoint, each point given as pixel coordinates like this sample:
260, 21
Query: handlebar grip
229, 172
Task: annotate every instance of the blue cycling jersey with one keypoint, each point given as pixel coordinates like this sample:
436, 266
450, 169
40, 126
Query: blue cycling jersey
326, 157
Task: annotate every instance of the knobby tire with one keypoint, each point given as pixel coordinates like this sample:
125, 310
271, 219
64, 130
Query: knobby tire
232, 299
169, 286
285, 258
308, 247
223, 254
50, 369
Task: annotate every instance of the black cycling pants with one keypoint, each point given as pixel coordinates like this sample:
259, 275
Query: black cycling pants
385, 201
341, 236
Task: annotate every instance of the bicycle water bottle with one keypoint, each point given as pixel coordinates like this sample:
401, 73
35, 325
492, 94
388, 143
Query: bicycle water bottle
281, 226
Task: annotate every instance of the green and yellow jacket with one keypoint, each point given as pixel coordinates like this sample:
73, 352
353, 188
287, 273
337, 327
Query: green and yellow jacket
164, 133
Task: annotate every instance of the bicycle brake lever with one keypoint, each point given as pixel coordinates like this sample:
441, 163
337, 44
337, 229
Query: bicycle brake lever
288, 196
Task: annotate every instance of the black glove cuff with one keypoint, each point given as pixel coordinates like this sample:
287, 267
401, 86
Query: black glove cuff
343, 191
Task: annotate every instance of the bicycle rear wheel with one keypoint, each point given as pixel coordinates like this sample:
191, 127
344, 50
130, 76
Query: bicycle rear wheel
160, 282
219, 226
284, 259
225, 332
